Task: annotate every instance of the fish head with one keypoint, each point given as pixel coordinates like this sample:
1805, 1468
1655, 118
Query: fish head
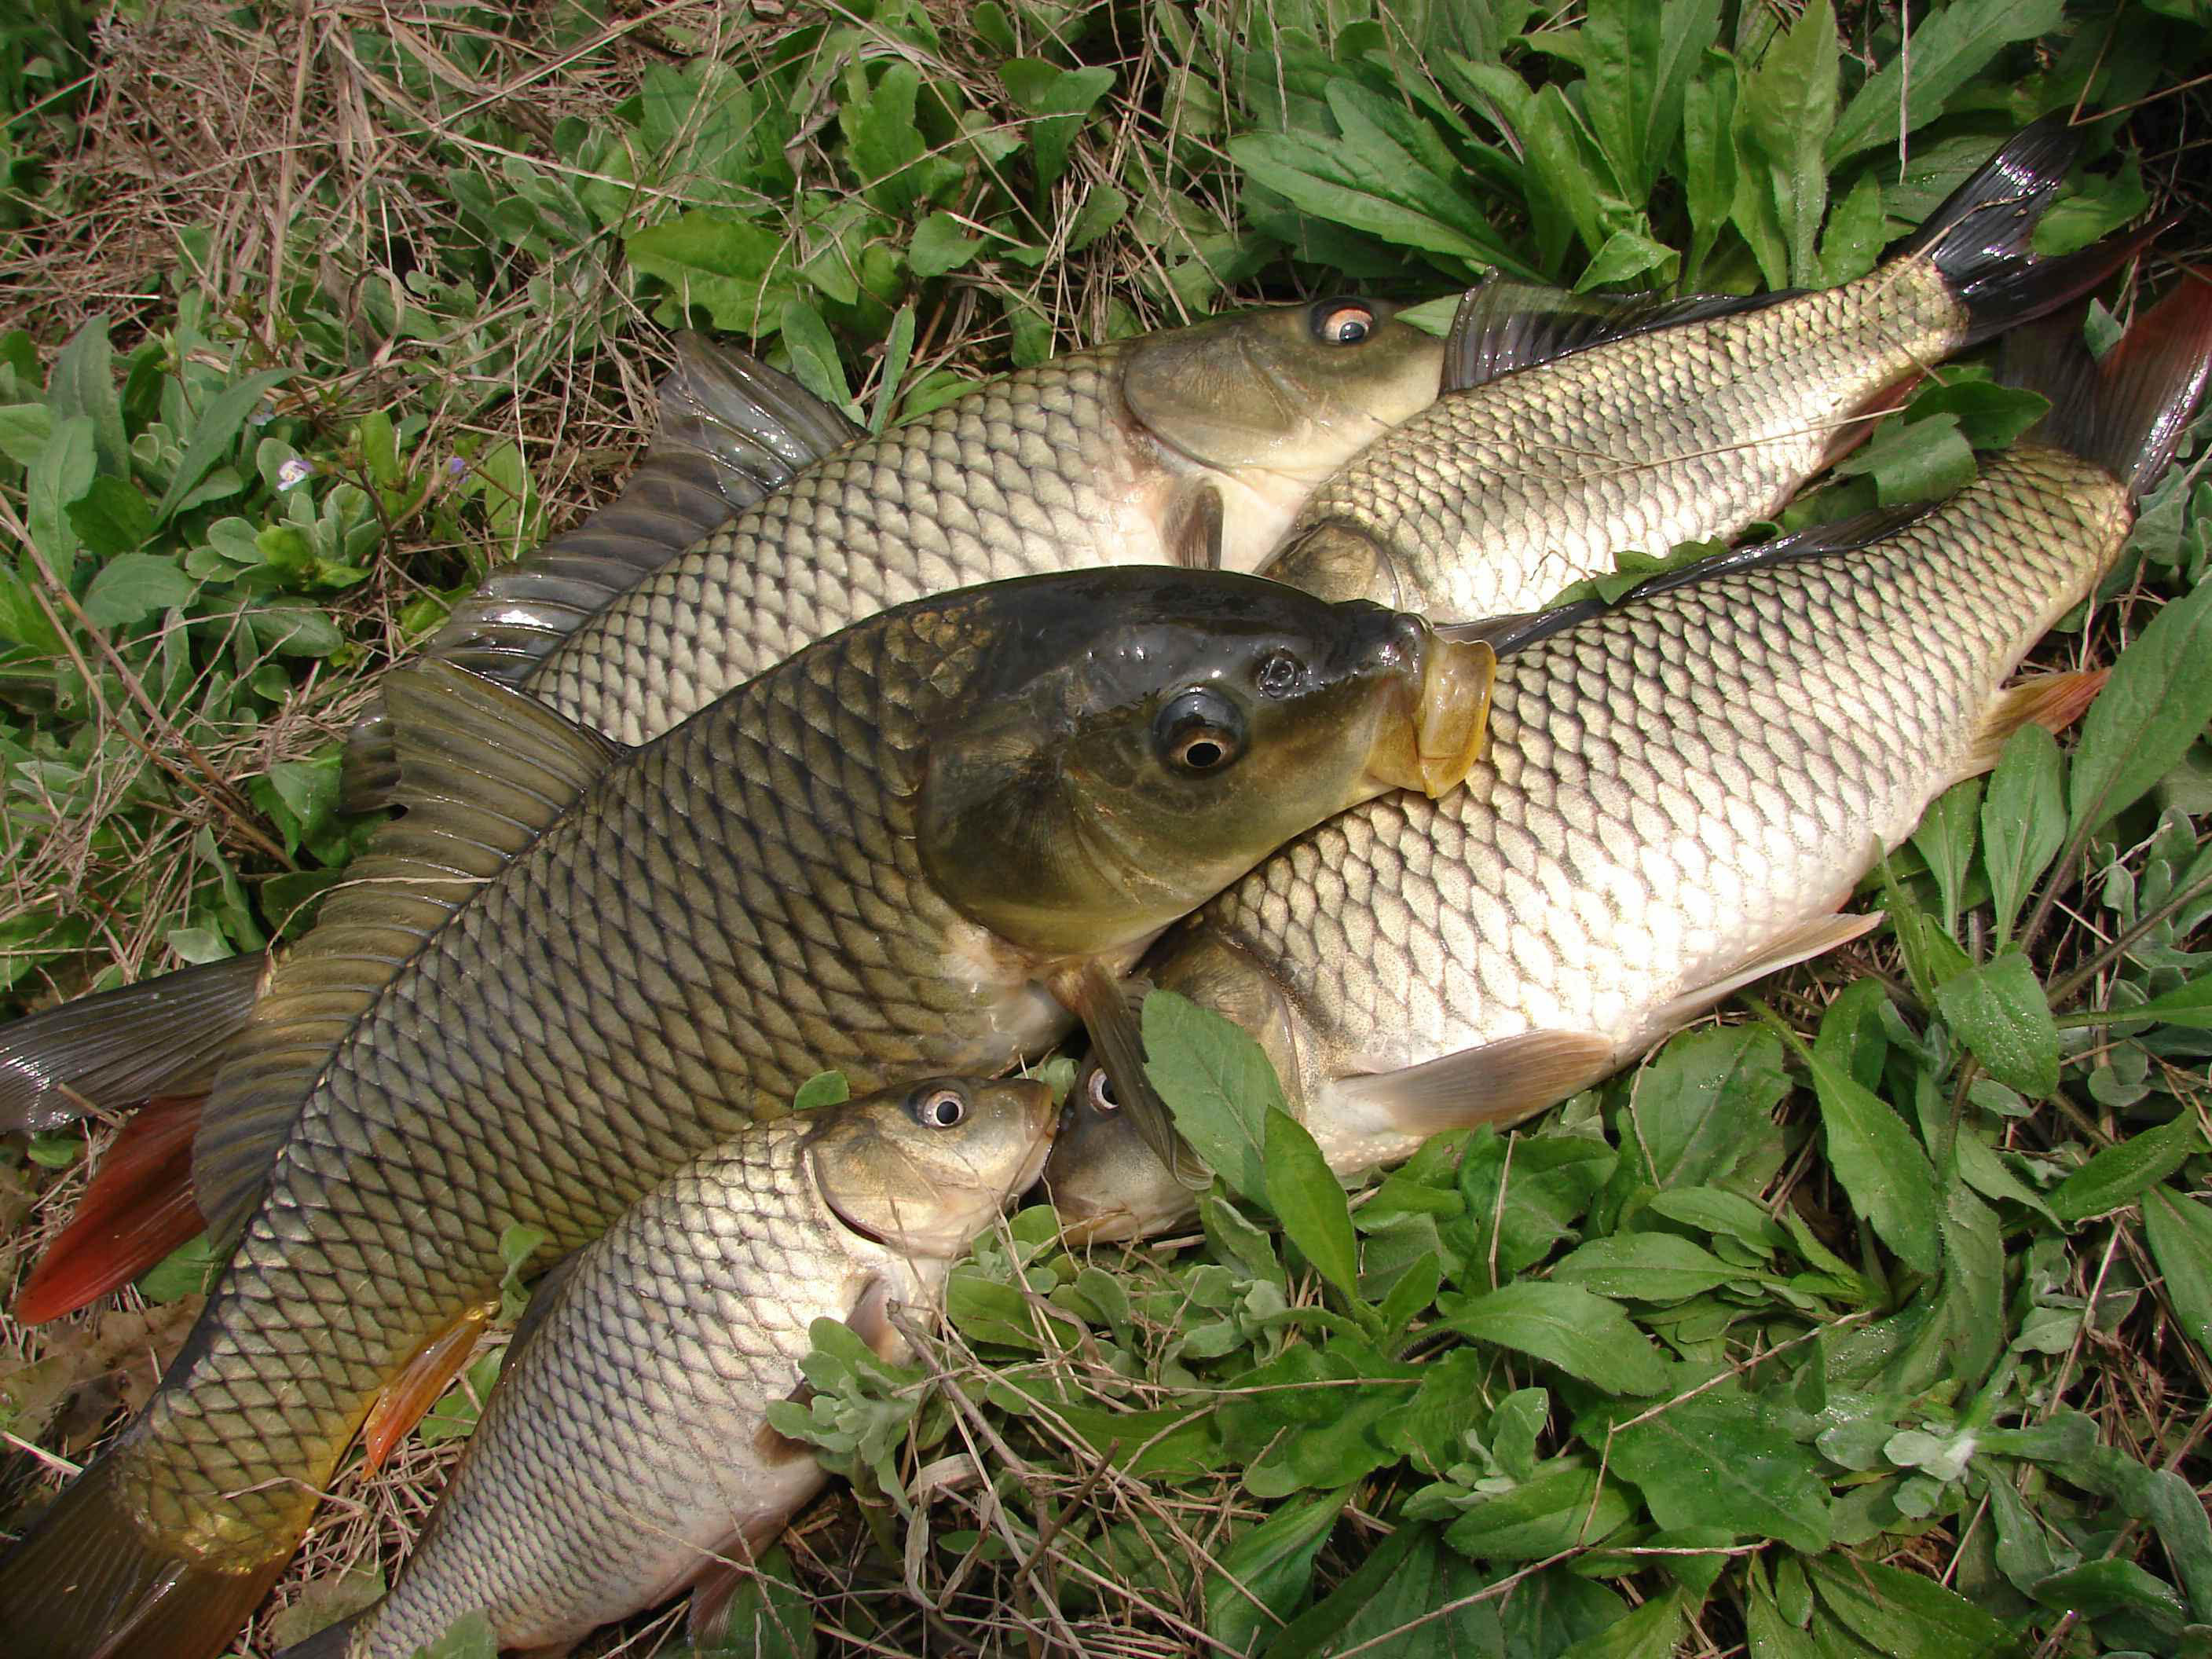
924, 1168
1162, 731
1104, 1177
1297, 389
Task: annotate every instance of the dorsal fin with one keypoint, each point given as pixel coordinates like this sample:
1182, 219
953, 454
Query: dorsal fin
732, 432
1504, 325
484, 770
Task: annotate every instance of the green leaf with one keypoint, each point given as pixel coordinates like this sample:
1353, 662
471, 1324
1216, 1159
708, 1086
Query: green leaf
1636, 60
1563, 1506
1065, 96
1646, 1267
1907, 1615
1307, 1198
882, 141
83, 383
1790, 98
2118, 1176
214, 434
814, 356
1267, 1572
738, 271
1887, 1175
1582, 1335
1651, 1632
113, 517
25, 429
1950, 45
939, 246
1722, 1460
1945, 838
1217, 1081
1333, 184
1771, 1636
186, 1271
2023, 821
61, 475
2179, 1231
770, 1616
1999, 1010
2152, 710
469, 1636
823, 1089
2190, 1005
133, 587
1914, 460
1385, 1608
1703, 1102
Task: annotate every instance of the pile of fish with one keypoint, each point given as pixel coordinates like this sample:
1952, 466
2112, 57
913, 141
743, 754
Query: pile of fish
905, 755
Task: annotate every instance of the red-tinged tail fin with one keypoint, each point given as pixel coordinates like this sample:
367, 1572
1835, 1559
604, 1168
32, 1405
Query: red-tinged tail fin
2126, 411
1980, 237
138, 1208
162, 1036
87, 1581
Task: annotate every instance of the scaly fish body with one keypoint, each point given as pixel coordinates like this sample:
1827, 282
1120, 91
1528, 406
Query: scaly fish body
626, 1450
1677, 795
1506, 491
877, 858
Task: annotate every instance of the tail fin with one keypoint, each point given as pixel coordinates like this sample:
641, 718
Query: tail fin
163, 1035
2127, 411
138, 1208
1980, 237
87, 1582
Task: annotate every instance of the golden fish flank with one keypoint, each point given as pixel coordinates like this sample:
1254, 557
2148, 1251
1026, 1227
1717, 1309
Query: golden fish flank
789, 883
1574, 427
1679, 794
572, 1508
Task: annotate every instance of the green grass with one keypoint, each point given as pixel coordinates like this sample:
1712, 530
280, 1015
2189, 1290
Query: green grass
1871, 1318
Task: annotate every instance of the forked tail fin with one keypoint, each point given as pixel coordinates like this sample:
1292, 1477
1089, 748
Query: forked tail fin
1980, 236
2126, 411
89, 1582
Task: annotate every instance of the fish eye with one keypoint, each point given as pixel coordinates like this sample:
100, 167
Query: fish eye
939, 1108
1343, 322
1279, 674
1200, 732
1101, 1091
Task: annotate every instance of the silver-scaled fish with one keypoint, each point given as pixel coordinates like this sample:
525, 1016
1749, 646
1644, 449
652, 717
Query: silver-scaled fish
1678, 795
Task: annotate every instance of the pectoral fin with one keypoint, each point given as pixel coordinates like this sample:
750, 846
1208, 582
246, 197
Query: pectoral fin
2053, 701
1500, 1082
419, 1386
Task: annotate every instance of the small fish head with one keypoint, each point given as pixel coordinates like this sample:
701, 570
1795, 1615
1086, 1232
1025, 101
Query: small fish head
1104, 1177
1298, 388
1180, 727
924, 1168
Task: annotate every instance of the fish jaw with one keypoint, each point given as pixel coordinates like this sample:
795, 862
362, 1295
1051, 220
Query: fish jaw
1438, 735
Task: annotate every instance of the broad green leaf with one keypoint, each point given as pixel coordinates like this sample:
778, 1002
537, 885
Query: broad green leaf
2179, 1231
1065, 97
1645, 1268
2190, 1005
83, 383
1627, 254
61, 475
1387, 1609
1769, 1635
1709, 155
1702, 1103
1883, 1168
186, 1271
1945, 838
1999, 1010
24, 430
938, 246
768, 1617
1267, 1573
1790, 98
1563, 1506
1651, 1632
882, 142
2118, 1176
739, 272
1855, 235
469, 1637
2154, 706
2023, 821
1309, 1202
112, 517
898, 351
814, 356
1973, 1282
132, 587
1331, 184
1217, 1081
1913, 460
214, 434
1104, 207
1949, 47
1905, 1614
1582, 1335
1522, 1195
1722, 1460
1637, 61
1717, 1211
1989, 415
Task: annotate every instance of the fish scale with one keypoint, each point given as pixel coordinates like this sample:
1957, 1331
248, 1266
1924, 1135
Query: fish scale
1666, 780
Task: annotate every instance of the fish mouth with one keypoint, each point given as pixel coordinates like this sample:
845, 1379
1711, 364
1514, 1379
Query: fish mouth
1432, 742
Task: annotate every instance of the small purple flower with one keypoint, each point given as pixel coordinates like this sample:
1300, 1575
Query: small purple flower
457, 467
293, 472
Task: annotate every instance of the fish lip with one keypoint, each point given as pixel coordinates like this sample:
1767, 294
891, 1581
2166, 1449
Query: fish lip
1432, 741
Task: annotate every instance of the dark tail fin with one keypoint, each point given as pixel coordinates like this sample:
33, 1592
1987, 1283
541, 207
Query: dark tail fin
2127, 410
87, 1583
138, 1208
164, 1035
1980, 237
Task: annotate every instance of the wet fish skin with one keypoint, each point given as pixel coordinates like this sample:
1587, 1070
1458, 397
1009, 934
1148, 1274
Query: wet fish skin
768, 892
625, 1448
1499, 495
1672, 790
1089, 458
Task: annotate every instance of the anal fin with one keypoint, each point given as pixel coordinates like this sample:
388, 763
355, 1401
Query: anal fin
137, 1208
1801, 943
419, 1386
1500, 1082
2053, 701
